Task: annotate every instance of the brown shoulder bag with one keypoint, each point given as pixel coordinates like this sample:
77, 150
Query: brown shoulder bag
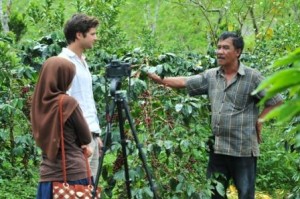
62, 190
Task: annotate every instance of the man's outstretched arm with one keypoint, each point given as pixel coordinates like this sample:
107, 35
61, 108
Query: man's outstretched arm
173, 82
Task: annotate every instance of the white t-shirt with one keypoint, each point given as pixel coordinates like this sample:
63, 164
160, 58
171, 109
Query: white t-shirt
81, 89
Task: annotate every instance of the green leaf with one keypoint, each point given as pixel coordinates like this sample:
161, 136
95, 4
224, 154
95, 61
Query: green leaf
294, 90
171, 54
220, 189
148, 191
119, 175
180, 178
161, 57
285, 112
18, 151
190, 109
168, 144
280, 80
184, 145
190, 190
167, 67
159, 69
179, 188
291, 58
297, 144
151, 69
178, 107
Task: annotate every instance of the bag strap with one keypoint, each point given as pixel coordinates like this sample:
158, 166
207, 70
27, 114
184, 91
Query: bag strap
88, 167
62, 144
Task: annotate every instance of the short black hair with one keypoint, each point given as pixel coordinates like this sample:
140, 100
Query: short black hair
237, 40
79, 23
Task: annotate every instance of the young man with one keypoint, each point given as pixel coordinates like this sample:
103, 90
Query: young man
80, 33
235, 115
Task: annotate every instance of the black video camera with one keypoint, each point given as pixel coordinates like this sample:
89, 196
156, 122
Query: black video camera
118, 69
115, 70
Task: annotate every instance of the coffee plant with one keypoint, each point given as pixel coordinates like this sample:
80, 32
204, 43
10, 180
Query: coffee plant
18, 153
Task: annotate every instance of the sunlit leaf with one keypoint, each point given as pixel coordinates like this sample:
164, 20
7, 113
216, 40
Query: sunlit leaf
285, 112
269, 33
151, 69
119, 175
190, 109
148, 191
297, 137
289, 59
280, 81
171, 54
168, 144
220, 189
179, 188
294, 90
190, 190
178, 107
180, 178
159, 69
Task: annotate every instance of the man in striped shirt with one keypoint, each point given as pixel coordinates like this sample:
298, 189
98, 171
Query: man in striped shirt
235, 115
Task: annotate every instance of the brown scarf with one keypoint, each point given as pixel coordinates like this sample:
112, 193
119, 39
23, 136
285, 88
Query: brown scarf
55, 78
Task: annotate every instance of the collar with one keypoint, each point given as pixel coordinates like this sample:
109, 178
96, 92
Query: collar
71, 54
241, 70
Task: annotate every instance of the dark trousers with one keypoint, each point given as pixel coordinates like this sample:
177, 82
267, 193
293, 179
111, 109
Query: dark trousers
241, 169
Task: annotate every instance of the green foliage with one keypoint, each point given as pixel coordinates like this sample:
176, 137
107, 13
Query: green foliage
111, 37
286, 79
27, 188
276, 164
17, 25
45, 14
194, 26
34, 53
288, 113
283, 39
168, 22
16, 143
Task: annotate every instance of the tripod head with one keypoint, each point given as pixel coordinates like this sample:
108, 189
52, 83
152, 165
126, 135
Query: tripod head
115, 85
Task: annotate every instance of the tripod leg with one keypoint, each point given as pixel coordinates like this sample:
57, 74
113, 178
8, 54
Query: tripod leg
139, 147
108, 135
124, 144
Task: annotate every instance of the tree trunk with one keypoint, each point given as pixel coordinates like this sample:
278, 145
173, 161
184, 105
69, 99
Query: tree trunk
4, 16
157, 6
255, 27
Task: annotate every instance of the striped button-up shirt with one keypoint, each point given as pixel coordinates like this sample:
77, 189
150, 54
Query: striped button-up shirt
234, 109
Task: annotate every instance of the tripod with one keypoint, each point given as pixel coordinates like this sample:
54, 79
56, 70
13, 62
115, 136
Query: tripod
120, 100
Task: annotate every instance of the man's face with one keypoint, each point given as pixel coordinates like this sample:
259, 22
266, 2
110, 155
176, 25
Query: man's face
227, 55
88, 39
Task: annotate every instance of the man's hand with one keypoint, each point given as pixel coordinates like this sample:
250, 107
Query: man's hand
87, 150
155, 78
258, 131
172, 82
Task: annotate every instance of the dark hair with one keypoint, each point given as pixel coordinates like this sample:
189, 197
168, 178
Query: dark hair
79, 23
237, 40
